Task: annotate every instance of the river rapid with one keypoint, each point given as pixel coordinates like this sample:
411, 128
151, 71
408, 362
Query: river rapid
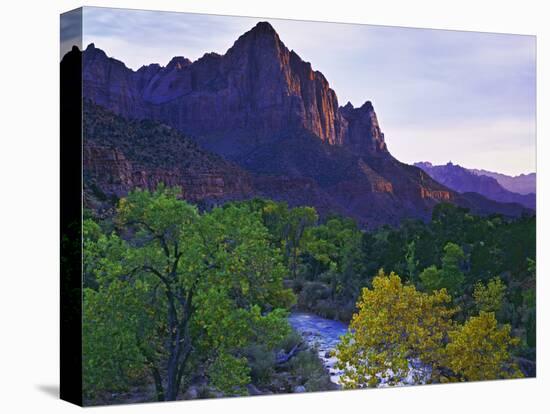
324, 334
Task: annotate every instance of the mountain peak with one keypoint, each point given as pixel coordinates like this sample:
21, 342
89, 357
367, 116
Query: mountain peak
367, 106
263, 27
262, 107
92, 50
260, 32
178, 62
348, 106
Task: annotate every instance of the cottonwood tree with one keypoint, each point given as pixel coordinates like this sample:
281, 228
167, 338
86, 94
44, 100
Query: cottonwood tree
286, 226
396, 324
481, 350
178, 289
489, 297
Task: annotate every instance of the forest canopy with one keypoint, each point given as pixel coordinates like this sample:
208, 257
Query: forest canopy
173, 293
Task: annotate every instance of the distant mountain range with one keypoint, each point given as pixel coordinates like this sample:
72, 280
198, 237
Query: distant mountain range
483, 182
264, 124
521, 184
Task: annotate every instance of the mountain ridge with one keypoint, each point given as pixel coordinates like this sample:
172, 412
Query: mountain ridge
264, 108
465, 180
285, 93
521, 184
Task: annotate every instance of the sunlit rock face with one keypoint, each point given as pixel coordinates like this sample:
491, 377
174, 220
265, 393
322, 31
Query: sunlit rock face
259, 87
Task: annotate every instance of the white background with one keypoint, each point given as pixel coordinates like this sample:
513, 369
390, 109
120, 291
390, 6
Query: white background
29, 204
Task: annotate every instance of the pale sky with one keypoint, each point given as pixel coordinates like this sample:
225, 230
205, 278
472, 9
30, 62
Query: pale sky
440, 95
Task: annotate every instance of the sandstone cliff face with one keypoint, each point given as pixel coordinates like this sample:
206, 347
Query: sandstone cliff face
109, 82
441, 195
120, 155
364, 133
379, 184
109, 170
258, 88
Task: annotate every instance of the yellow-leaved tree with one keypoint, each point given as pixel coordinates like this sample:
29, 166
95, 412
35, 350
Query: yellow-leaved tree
480, 350
489, 297
396, 324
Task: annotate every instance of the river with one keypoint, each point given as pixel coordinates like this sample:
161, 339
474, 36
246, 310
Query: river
325, 335
321, 333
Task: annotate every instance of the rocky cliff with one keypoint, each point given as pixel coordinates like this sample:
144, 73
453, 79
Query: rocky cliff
121, 154
258, 90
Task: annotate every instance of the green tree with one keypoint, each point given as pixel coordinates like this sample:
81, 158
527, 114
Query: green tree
451, 272
450, 275
411, 260
336, 248
176, 288
431, 278
286, 225
299, 219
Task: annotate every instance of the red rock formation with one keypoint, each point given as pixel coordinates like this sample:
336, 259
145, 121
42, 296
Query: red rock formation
383, 187
364, 131
119, 155
378, 183
440, 195
109, 169
257, 88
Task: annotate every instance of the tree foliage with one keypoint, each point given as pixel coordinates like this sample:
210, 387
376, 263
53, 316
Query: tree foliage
171, 291
489, 297
450, 275
396, 324
176, 288
481, 350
